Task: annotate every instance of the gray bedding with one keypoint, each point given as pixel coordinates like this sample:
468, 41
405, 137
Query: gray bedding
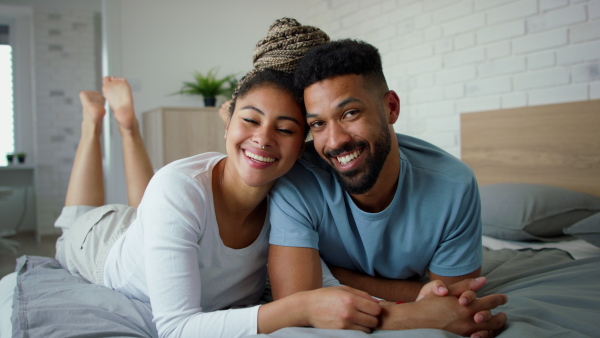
550, 295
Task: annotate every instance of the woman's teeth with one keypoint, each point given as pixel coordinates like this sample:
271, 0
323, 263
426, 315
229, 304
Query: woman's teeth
348, 158
259, 158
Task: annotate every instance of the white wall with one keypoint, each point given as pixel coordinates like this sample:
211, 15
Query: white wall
64, 64
447, 57
163, 42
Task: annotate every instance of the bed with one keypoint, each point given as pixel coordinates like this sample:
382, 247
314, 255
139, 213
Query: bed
539, 175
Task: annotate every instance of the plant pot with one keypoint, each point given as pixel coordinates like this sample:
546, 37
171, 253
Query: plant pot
21, 158
210, 101
9, 158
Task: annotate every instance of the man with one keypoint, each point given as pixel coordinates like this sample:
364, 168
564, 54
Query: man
381, 217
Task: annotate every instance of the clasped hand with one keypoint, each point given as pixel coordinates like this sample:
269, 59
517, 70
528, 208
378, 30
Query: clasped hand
455, 308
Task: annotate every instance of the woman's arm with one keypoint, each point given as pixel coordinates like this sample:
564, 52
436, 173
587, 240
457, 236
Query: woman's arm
331, 308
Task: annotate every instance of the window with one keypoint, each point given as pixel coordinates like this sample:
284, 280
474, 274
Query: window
7, 144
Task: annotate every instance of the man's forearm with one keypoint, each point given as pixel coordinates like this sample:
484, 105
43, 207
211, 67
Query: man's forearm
444, 313
388, 289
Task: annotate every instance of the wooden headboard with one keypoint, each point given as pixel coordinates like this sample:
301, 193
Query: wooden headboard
556, 145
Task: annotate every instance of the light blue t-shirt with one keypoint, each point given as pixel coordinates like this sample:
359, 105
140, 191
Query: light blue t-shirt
433, 222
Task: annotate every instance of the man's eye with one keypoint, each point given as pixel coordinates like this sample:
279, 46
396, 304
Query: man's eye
316, 124
350, 113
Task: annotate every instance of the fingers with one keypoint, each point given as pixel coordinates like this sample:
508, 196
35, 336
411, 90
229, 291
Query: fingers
368, 307
482, 316
484, 334
365, 320
496, 322
468, 284
489, 302
436, 287
467, 297
360, 328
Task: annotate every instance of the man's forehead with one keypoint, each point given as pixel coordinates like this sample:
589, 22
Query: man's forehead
336, 91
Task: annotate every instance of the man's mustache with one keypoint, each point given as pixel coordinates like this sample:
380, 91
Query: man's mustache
346, 147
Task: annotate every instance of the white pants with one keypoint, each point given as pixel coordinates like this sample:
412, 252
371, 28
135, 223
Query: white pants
88, 235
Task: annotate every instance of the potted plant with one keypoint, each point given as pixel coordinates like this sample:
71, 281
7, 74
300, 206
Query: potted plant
209, 86
21, 157
9, 158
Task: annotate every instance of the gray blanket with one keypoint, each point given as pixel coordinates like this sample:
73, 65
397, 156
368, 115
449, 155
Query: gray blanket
549, 295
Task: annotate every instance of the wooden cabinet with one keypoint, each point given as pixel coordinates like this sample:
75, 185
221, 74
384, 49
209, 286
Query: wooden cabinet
174, 133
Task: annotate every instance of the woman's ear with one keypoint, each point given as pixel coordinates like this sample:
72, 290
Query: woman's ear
226, 128
224, 111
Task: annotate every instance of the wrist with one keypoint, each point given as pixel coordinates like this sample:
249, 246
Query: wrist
285, 312
300, 303
398, 317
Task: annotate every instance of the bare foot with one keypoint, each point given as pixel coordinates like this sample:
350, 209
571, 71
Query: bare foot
93, 107
118, 93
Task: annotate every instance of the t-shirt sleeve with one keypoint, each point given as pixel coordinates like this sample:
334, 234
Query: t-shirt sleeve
294, 210
172, 215
460, 252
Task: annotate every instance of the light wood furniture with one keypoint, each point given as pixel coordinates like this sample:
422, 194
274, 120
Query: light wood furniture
557, 145
174, 133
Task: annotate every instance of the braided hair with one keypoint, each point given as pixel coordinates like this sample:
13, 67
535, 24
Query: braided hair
278, 55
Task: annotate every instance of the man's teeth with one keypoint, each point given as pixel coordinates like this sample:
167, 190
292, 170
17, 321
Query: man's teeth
259, 158
348, 158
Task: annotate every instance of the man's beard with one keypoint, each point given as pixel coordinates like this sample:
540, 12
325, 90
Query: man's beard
360, 180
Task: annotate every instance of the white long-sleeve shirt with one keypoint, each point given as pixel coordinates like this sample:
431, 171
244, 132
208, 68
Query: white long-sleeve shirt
172, 257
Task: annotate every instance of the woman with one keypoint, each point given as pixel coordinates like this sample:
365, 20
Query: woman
200, 239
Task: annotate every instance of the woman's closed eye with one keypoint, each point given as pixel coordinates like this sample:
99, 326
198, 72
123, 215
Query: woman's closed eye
285, 131
249, 120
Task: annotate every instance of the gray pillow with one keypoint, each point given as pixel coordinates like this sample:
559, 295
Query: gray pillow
524, 212
587, 229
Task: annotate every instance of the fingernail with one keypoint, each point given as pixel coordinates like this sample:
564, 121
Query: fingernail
478, 279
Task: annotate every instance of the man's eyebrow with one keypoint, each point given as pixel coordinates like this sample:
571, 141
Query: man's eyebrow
346, 101
340, 105
281, 117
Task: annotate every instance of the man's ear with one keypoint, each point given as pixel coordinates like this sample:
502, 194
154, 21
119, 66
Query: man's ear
392, 103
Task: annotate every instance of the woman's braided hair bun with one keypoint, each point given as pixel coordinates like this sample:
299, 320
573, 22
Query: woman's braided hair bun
285, 44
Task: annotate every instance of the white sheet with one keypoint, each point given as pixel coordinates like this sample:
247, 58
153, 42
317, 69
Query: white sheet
578, 248
7, 286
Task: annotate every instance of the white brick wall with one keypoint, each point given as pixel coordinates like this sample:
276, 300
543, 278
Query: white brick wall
64, 65
447, 57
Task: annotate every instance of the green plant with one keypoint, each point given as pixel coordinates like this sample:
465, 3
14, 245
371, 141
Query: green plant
20, 157
233, 82
209, 85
